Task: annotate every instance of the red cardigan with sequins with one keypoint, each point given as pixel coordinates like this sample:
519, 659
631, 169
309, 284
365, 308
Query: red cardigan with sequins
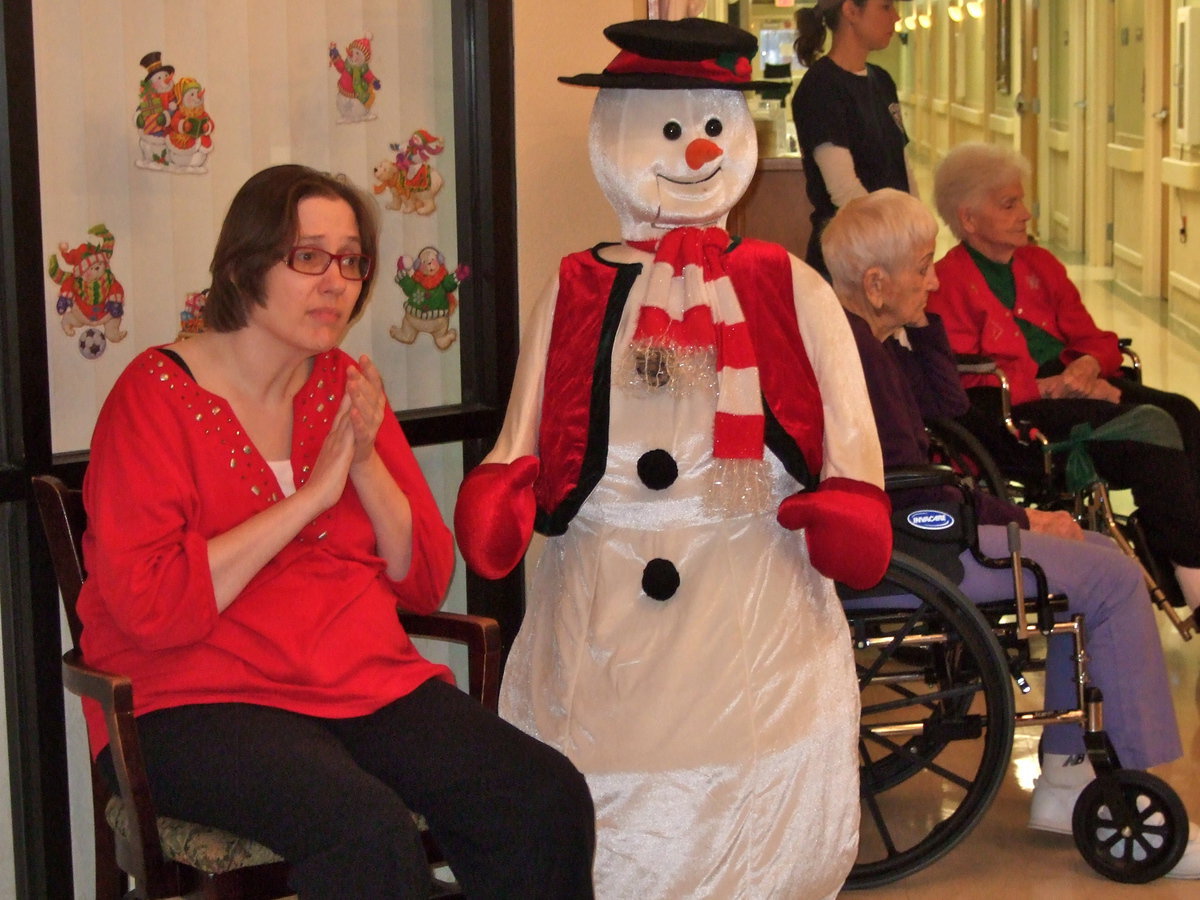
315, 631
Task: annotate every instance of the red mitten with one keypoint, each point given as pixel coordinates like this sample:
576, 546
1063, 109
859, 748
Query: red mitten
848, 527
493, 518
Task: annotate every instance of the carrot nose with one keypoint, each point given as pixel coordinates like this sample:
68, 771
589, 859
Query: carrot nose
701, 151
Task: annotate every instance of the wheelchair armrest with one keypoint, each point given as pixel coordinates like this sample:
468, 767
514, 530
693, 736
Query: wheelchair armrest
479, 634
975, 364
903, 478
1132, 367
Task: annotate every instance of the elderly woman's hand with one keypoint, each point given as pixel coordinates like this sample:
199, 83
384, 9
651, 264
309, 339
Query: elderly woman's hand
1080, 381
1080, 377
1059, 524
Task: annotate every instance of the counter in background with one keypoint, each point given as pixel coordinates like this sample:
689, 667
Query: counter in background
775, 207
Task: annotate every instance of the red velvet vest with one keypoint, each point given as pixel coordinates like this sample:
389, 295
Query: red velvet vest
573, 439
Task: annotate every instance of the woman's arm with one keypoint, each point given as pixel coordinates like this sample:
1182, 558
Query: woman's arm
237, 555
932, 372
162, 573
384, 502
837, 168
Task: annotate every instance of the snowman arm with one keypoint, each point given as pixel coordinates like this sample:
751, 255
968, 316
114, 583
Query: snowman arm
847, 519
851, 442
495, 510
518, 435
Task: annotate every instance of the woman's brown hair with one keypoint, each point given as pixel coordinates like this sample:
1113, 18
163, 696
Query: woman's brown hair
259, 228
812, 26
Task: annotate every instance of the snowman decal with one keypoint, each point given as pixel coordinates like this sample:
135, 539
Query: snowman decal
356, 84
429, 299
690, 428
89, 295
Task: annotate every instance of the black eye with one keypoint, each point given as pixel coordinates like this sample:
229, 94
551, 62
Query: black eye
713, 127
672, 131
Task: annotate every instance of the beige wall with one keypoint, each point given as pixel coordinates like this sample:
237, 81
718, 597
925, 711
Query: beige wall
559, 206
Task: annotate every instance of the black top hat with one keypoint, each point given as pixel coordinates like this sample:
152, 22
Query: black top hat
153, 63
657, 54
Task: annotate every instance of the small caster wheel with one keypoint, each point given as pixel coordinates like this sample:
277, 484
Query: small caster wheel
1130, 826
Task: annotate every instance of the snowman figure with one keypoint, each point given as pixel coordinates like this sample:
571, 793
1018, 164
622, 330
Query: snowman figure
690, 427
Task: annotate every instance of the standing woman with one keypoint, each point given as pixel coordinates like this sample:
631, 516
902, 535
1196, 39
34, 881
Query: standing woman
256, 517
846, 110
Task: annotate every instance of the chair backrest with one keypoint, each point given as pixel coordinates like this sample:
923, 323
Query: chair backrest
63, 520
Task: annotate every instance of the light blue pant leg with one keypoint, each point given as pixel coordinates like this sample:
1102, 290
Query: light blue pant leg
1125, 655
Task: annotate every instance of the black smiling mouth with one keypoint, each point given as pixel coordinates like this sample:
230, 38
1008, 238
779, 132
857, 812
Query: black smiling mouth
708, 177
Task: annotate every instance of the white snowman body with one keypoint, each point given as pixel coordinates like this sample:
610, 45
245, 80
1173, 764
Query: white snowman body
717, 728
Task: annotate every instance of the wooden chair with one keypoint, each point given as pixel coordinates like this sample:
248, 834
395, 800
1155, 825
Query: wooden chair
168, 857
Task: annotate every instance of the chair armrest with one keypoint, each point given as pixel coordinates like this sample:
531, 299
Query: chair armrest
975, 363
904, 478
481, 636
114, 693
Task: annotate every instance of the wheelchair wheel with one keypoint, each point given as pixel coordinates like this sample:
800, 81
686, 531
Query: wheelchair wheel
1130, 826
937, 720
953, 445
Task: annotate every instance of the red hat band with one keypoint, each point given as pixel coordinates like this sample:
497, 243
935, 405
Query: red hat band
627, 63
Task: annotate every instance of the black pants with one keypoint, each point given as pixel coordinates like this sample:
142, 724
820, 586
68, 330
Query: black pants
332, 796
1165, 482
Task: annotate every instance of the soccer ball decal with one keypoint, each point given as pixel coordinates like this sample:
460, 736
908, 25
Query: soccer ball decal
92, 343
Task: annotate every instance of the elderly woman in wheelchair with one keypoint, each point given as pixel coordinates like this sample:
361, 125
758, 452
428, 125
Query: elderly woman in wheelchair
879, 249
1001, 298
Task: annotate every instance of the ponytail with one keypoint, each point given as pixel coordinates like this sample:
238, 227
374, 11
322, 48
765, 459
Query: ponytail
813, 25
810, 35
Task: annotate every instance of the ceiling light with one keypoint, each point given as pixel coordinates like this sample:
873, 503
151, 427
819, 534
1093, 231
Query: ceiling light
975, 8
955, 12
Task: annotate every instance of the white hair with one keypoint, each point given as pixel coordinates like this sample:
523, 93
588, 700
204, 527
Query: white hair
883, 228
968, 174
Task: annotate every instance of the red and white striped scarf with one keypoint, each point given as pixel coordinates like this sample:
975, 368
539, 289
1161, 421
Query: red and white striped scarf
690, 312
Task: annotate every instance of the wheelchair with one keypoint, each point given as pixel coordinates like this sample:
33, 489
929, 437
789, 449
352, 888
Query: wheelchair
936, 675
1014, 461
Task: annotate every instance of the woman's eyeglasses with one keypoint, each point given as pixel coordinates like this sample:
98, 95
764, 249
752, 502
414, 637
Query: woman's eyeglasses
314, 261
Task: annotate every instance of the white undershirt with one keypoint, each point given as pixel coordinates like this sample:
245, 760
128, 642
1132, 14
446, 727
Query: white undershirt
841, 180
283, 474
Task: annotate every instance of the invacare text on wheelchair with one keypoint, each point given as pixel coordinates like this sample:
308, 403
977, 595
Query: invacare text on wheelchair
936, 674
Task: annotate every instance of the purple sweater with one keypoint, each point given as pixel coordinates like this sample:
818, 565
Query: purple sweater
906, 387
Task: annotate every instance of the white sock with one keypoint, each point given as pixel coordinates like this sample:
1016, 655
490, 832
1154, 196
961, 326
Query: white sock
1064, 771
1189, 583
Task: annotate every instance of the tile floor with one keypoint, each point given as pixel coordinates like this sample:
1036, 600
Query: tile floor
1001, 857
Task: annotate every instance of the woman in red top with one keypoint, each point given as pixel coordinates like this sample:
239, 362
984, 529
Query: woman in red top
255, 518
1000, 297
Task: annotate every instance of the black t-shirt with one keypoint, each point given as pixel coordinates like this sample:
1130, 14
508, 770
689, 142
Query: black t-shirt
858, 112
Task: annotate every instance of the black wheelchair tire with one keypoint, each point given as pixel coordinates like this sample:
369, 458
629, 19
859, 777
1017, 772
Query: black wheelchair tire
978, 660
1098, 834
